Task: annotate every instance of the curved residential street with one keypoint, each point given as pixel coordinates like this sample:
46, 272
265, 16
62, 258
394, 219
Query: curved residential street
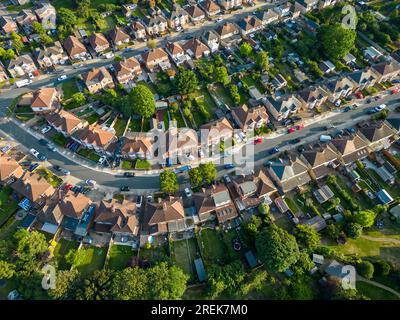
144, 183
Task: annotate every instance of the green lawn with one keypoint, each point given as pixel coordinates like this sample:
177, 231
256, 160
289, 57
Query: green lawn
127, 165
7, 205
119, 257
120, 126
24, 113
166, 120
154, 254
93, 118
178, 118
89, 154
183, 253
374, 292
136, 125
59, 139
212, 246
61, 249
7, 231
392, 189
50, 177
91, 259
69, 87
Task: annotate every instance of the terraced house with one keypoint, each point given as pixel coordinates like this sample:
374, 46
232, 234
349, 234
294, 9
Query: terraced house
378, 134
250, 118
94, 137
215, 131
351, 147
65, 122
280, 108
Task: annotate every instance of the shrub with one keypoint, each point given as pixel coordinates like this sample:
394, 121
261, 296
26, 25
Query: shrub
366, 269
382, 268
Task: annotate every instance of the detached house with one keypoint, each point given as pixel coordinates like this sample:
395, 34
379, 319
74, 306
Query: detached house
339, 88
164, 217
229, 4
94, 137
156, 58
45, 100
313, 97
65, 122
46, 14
352, 147
127, 70
363, 79
119, 219
210, 7
289, 172
75, 49
250, 118
215, 203
213, 132
21, 66
25, 19
378, 134
8, 25
281, 108
10, 170
321, 159
50, 56
386, 71
249, 25
98, 79
178, 18
156, 25
211, 39
118, 36
139, 31
196, 14
196, 49
33, 187
98, 42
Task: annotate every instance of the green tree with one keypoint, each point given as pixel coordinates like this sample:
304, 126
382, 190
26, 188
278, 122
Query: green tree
7, 270
336, 41
67, 284
353, 230
382, 268
365, 218
131, 284
366, 269
17, 42
79, 98
38, 28
30, 248
186, 81
226, 277
142, 100
307, 237
97, 286
246, 49
196, 177
276, 248
252, 226
221, 75
168, 181
167, 282
67, 18
209, 172
262, 61
234, 91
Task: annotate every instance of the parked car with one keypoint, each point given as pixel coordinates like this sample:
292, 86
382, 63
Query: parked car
45, 129
188, 193
68, 187
32, 167
62, 170
102, 160
258, 141
295, 141
129, 174
380, 107
274, 150
51, 147
227, 179
291, 130
91, 182
43, 142
63, 77
219, 20
37, 155
229, 166
299, 127
125, 188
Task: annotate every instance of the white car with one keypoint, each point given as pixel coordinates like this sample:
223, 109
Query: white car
219, 20
90, 182
31, 76
102, 160
45, 129
201, 153
149, 198
243, 136
188, 192
139, 201
238, 138
380, 107
34, 152
338, 103
61, 78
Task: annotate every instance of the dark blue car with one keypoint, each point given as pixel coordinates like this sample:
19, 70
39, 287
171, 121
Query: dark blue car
274, 150
229, 166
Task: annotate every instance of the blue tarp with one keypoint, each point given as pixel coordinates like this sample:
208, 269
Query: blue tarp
25, 204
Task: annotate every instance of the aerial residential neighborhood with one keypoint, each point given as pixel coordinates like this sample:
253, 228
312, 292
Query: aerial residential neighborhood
200, 150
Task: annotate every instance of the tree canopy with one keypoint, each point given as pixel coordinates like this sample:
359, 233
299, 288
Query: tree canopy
168, 181
365, 218
306, 236
276, 248
186, 81
142, 101
336, 41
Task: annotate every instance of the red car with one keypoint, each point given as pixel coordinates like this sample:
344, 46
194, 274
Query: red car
257, 141
359, 95
291, 130
299, 127
68, 187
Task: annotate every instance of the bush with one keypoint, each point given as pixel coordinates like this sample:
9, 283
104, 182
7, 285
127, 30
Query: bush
353, 230
366, 269
382, 268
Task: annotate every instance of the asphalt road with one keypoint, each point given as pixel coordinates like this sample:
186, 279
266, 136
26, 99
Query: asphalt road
150, 183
